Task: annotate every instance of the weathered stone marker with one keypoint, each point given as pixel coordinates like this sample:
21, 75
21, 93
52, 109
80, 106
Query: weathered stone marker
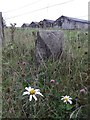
49, 43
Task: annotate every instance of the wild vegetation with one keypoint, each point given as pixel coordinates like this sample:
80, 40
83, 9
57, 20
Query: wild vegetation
55, 78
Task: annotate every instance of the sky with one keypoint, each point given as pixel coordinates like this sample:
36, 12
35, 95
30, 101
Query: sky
26, 11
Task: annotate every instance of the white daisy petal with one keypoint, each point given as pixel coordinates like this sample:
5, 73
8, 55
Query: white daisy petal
27, 88
32, 88
34, 97
30, 98
70, 98
39, 93
64, 101
37, 90
25, 93
62, 98
70, 101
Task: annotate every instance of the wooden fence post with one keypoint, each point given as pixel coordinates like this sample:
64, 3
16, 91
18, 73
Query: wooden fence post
1, 38
1, 29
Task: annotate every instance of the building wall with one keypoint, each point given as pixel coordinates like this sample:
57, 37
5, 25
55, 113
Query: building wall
46, 24
33, 25
70, 24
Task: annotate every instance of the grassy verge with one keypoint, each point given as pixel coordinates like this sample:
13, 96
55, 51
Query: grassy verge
70, 73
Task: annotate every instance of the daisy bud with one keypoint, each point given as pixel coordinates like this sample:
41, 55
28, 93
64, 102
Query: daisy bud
83, 91
24, 63
52, 81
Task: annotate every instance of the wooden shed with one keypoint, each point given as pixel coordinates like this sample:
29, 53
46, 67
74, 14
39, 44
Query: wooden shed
25, 25
46, 23
65, 22
34, 25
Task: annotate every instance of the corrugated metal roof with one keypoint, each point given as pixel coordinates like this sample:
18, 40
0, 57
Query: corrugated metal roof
25, 24
34, 22
51, 21
75, 19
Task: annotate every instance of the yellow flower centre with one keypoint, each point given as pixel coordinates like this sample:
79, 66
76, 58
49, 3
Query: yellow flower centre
32, 92
66, 98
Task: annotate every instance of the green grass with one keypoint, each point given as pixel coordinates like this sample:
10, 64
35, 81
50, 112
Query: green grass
70, 73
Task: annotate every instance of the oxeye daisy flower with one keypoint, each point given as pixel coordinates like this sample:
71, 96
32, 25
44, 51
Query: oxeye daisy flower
66, 99
32, 92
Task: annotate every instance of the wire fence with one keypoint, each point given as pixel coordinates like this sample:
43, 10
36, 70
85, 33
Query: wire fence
37, 10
